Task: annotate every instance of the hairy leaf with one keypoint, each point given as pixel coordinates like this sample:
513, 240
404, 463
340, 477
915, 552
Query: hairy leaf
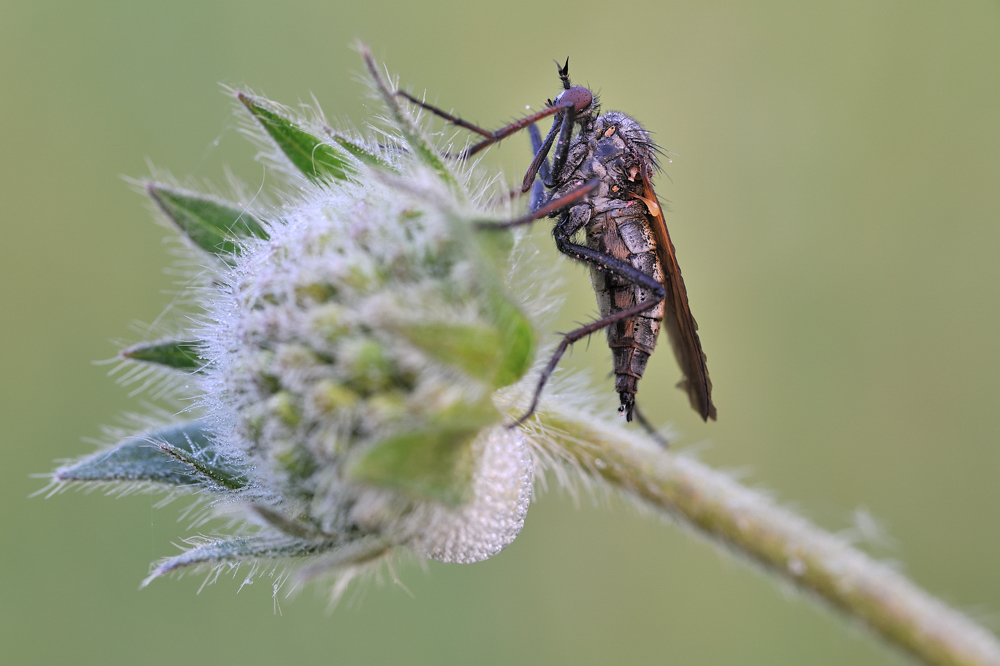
317, 160
360, 153
176, 354
182, 455
517, 338
211, 224
235, 550
433, 462
405, 124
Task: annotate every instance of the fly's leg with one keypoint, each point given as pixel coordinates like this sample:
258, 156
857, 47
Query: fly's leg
491, 137
454, 120
553, 206
541, 149
517, 126
565, 111
536, 146
564, 123
540, 164
574, 336
561, 151
650, 430
538, 188
574, 220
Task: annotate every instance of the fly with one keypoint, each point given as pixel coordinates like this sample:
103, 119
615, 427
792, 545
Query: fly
600, 182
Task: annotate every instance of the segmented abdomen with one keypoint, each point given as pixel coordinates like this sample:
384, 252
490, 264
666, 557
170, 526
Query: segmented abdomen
625, 233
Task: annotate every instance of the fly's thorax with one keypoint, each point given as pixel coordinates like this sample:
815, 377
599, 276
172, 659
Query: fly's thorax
608, 148
621, 150
628, 132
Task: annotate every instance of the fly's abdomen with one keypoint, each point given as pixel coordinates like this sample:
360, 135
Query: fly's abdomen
625, 234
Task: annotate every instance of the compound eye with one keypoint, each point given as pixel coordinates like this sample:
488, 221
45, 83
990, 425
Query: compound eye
580, 96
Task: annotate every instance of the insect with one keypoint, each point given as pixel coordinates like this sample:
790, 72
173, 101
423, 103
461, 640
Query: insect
600, 181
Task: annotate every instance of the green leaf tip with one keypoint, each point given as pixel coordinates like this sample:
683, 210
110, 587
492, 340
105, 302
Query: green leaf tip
238, 549
499, 356
317, 160
518, 344
212, 225
430, 463
175, 354
181, 455
293, 527
472, 349
331, 552
404, 123
360, 153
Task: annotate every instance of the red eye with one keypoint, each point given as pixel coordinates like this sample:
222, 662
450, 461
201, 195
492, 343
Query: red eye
580, 96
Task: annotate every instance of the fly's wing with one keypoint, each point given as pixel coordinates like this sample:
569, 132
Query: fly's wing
681, 327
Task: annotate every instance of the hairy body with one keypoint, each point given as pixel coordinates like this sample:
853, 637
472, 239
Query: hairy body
616, 151
600, 181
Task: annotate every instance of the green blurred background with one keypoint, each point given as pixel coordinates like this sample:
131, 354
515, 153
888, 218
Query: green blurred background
836, 198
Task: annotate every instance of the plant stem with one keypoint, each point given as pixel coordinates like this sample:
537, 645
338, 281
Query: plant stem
786, 544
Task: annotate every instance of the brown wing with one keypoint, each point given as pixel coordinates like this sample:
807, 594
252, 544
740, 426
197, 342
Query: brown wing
681, 327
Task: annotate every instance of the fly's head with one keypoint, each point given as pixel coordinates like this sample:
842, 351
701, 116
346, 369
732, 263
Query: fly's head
585, 105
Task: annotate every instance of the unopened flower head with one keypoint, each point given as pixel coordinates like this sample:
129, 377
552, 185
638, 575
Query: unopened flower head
347, 362
354, 356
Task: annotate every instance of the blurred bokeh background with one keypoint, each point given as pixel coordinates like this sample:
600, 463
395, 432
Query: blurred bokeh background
835, 205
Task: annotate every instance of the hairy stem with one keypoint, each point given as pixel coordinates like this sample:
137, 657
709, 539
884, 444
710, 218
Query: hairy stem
782, 542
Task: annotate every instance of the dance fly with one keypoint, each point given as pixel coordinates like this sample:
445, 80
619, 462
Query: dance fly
599, 181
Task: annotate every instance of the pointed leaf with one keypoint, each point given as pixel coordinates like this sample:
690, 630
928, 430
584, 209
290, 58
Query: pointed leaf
270, 547
495, 245
182, 455
176, 354
239, 549
433, 462
405, 124
517, 337
317, 160
475, 350
291, 526
207, 462
498, 355
361, 153
209, 223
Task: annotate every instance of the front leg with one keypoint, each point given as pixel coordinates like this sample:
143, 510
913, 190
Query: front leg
538, 187
539, 165
491, 137
553, 206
